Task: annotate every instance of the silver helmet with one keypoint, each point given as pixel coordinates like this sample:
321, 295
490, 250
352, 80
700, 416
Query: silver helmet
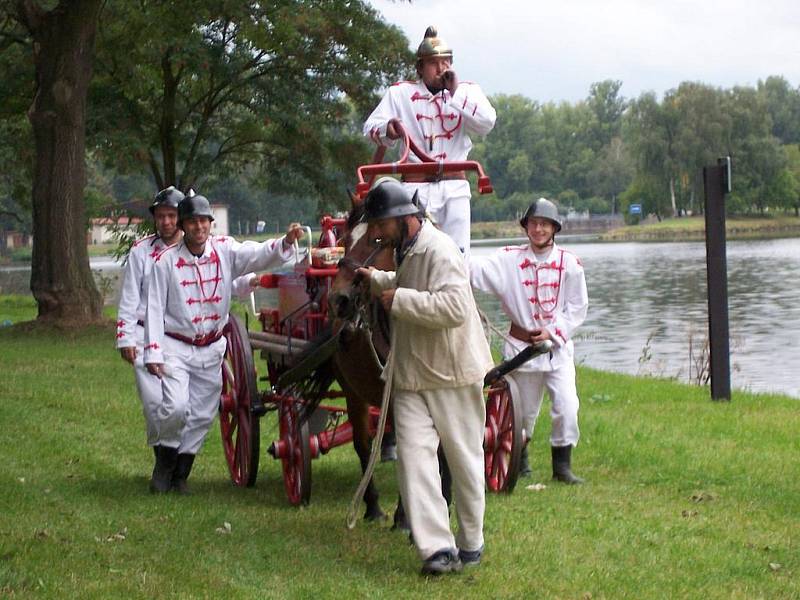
543, 209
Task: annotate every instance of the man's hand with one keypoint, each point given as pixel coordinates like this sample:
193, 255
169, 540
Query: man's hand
539, 335
450, 81
293, 233
156, 369
387, 297
128, 354
365, 272
391, 131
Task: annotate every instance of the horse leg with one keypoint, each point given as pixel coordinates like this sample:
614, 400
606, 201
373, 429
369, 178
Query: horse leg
447, 479
359, 418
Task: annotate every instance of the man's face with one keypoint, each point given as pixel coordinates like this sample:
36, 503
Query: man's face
196, 230
540, 232
166, 219
387, 230
432, 69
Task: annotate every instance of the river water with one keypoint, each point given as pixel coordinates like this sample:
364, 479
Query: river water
648, 307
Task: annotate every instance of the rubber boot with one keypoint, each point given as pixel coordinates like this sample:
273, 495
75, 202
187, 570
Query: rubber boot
161, 481
562, 467
524, 465
183, 467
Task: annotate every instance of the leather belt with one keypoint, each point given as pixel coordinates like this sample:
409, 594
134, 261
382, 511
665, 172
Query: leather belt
433, 178
198, 340
520, 333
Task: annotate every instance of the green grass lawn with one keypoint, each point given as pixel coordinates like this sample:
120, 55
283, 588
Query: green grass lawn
686, 498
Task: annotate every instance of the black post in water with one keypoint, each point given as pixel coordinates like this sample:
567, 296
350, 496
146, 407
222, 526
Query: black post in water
716, 181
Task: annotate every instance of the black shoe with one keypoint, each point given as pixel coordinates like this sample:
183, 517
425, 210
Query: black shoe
470, 558
562, 465
183, 467
166, 458
439, 563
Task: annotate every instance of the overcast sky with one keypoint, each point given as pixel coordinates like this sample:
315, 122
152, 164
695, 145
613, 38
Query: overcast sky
554, 50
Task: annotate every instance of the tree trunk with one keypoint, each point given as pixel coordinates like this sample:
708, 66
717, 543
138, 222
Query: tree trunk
61, 280
672, 197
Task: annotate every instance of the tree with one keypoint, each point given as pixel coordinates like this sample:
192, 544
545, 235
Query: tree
651, 128
783, 105
199, 93
607, 107
63, 44
612, 172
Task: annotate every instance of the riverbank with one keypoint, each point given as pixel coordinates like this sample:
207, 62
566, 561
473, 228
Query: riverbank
684, 229
692, 229
673, 506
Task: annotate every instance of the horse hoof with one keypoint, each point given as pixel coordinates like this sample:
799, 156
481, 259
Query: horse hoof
373, 516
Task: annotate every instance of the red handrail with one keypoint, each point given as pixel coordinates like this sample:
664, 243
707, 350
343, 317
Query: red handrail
427, 166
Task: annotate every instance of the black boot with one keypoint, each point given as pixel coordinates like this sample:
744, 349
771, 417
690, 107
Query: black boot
562, 468
182, 469
524, 465
166, 458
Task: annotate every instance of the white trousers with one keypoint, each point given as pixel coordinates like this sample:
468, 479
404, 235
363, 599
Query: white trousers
456, 417
448, 204
191, 385
560, 385
149, 388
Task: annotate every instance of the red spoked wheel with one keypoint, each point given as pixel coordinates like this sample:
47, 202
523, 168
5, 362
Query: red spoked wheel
504, 436
240, 427
295, 453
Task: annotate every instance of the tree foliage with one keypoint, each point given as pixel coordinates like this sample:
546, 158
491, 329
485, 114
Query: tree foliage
606, 152
198, 93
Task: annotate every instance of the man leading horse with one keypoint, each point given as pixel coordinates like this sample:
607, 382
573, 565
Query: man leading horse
437, 363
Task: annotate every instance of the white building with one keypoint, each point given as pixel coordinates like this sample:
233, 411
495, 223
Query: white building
102, 228
220, 224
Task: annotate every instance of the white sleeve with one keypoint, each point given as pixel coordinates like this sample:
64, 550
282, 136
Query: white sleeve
445, 305
129, 300
241, 287
486, 273
375, 125
157, 300
476, 110
254, 256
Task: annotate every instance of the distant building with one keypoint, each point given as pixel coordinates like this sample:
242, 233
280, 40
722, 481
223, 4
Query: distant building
14, 239
102, 229
220, 223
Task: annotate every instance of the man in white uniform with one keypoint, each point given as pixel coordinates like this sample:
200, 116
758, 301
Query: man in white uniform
543, 291
133, 299
439, 112
439, 356
187, 309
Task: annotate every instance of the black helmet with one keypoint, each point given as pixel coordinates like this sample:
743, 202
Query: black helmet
388, 198
169, 197
194, 206
543, 209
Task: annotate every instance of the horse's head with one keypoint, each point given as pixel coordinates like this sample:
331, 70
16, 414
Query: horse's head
347, 293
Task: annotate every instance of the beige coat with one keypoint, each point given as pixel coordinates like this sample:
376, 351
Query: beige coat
438, 340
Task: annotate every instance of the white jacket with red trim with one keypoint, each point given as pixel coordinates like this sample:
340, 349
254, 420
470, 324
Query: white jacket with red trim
133, 293
536, 294
190, 296
440, 124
